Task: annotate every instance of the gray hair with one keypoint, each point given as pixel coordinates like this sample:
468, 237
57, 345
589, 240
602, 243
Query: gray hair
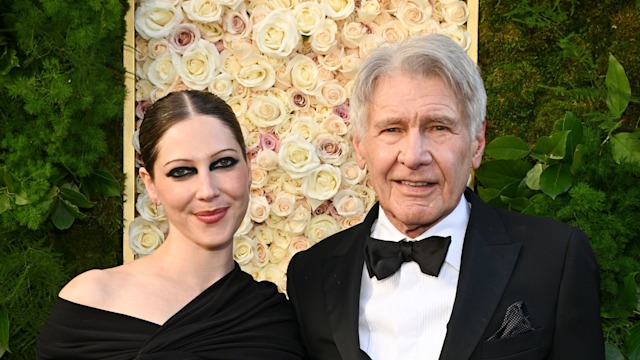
427, 56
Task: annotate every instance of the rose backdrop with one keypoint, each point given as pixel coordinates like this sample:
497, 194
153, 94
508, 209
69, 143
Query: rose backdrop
286, 67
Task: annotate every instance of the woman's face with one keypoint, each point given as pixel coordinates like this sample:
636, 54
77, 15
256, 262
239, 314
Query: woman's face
202, 180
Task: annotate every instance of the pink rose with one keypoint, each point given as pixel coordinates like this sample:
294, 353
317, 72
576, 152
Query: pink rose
183, 37
269, 141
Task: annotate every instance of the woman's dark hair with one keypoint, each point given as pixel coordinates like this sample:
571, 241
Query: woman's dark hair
179, 106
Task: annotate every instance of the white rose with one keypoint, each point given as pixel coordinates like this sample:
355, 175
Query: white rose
238, 105
331, 93
252, 139
331, 60
323, 182
293, 186
277, 254
348, 203
233, 4
413, 14
297, 156
272, 273
349, 221
458, 34
366, 193
142, 50
338, 9
351, 33
267, 159
283, 204
256, 73
276, 179
243, 249
281, 237
266, 111
276, 35
203, 11
221, 85
199, 65
431, 27
320, 227
352, 173
148, 210
334, 124
304, 74
261, 257
325, 37
144, 236
456, 13
158, 93
309, 17
143, 90
155, 19
258, 208
369, 10
282, 96
263, 234
246, 225
349, 66
162, 72
297, 221
368, 43
212, 32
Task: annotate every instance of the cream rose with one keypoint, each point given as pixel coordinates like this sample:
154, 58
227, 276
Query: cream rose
297, 244
458, 34
413, 14
352, 173
325, 37
369, 10
331, 93
351, 34
258, 208
349, 221
261, 257
157, 47
266, 111
203, 11
221, 85
148, 210
276, 35
243, 249
246, 225
238, 104
144, 236
349, 66
277, 254
143, 90
392, 31
162, 72
198, 66
263, 234
309, 17
338, 9
259, 177
297, 156
212, 32
456, 13
331, 60
304, 74
366, 193
233, 4
142, 49
155, 19
368, 43
335, 125
283, 203
273, 273
281, 237
322, 183
267, 159
348, 203
320, 227
297, 221
276, 179
256, 73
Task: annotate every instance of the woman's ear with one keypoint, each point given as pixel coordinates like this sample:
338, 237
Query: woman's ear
149, 185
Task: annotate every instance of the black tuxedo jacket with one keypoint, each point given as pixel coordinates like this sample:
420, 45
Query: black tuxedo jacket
507, 257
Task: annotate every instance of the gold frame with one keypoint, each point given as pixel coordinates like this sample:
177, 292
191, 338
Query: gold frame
128, 162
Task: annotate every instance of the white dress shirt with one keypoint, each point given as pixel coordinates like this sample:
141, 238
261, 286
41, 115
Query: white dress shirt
405, 316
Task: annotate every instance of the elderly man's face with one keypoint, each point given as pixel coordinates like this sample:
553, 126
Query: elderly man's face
418, 150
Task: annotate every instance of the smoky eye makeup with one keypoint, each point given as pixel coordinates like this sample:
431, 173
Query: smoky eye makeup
181, 172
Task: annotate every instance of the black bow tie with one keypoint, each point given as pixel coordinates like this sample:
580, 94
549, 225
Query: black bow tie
383, 258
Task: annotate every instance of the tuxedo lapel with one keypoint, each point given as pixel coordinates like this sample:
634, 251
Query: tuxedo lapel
342, 274
488, 258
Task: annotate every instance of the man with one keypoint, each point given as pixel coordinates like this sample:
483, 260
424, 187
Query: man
510, 286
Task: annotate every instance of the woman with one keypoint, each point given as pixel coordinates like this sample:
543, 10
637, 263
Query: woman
188, 299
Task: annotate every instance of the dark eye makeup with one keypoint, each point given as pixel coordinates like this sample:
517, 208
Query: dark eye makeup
185, 171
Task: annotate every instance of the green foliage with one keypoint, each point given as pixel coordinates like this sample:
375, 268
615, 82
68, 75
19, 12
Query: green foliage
30, 274
61, 105
585, 175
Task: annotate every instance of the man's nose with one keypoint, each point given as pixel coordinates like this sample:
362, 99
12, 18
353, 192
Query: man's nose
415, 150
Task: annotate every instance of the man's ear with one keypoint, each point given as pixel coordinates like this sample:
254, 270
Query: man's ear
478, 145
358, 146
149, 185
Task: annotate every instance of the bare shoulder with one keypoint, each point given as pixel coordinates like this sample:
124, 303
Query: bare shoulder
95, 288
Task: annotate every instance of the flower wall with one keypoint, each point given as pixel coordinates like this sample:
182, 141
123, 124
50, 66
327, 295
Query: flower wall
286, 67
